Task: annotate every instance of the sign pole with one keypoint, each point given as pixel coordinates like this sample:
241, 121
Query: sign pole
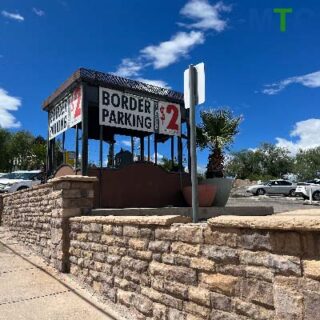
194, 178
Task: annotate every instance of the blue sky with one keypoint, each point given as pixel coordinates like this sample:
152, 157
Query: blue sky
272, 78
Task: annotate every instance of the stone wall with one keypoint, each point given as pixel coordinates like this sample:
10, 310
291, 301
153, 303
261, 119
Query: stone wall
233, 268
38, 217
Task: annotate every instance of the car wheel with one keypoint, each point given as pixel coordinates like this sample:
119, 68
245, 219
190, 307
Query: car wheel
260, 192
316, 196
305, 197
22, 188
292, 193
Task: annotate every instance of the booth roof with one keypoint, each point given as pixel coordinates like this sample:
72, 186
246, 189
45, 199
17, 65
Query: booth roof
109, 80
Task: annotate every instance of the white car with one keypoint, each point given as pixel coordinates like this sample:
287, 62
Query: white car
305, 188
280, 186
19, 180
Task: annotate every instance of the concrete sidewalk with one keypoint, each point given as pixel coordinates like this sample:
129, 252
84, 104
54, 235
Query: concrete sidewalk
29, 291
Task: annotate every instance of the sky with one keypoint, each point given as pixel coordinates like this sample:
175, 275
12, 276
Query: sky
271, 78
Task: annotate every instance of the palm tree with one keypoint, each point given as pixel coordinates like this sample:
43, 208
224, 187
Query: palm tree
217, 133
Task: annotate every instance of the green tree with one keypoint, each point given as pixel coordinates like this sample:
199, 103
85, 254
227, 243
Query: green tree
265, 163
216, 133
307, 164
39, 152
5, 139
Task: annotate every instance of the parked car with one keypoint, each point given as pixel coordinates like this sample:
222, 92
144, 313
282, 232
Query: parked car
280, 186
304, 188
19, 180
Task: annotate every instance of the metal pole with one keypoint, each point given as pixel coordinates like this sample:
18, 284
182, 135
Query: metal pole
179, 147
77, 147
194, 178
142, 149
63, 143
132, 148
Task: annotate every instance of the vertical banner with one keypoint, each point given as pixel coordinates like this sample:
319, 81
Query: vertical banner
66, 113
169, 118
75, 112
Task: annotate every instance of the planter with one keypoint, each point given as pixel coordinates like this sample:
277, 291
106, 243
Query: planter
206, 194
223, 186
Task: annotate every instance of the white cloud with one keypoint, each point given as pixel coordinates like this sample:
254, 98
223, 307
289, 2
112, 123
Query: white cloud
126, 143
158, 83
205, 15
129, 68
38, 12
311, 80
169, 52
307, 136
14, 16
7, 105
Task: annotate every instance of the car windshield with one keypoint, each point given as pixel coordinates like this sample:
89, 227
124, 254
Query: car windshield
19, 175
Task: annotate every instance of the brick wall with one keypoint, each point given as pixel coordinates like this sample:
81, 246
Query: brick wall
225, 270
38, 217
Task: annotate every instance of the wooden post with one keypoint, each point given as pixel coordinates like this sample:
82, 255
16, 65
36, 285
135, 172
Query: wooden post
85, 125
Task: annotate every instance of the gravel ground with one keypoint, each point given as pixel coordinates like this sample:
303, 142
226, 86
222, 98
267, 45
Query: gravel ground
279, 203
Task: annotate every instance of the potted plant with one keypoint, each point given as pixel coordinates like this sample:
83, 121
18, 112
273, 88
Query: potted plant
216, 133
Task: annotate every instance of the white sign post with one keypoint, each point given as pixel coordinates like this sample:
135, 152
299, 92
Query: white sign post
194, 93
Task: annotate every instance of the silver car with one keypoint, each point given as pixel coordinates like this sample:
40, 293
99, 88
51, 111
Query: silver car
284, 187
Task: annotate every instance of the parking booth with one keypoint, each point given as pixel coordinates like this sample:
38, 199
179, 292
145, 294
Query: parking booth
102, 106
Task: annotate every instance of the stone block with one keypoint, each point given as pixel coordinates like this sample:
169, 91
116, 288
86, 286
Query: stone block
162, 298
311, 269
191, 233
220, 254
159, 311
185, 249
255, 240
219, 283
199, 295
195, 309
174, 314
173, 273
288, 302
173, 288
176, 259
252, 311
202, 264
143, 304
229, 237
159, 246
125, 297
256, 291
138, 244
286, 242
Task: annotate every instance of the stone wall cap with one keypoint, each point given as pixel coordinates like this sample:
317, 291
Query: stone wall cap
134, 220
73, 178
298, 221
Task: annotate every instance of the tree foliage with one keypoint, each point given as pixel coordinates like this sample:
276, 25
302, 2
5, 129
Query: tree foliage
21, 150
266, 162
307, 164
217, 132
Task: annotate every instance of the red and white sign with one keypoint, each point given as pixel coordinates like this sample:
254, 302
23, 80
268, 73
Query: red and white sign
169, 116
75, 107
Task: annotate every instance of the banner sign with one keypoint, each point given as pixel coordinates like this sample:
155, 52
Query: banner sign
125, 110
65, 114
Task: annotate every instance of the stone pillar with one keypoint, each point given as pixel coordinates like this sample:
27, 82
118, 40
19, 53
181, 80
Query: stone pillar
72, 196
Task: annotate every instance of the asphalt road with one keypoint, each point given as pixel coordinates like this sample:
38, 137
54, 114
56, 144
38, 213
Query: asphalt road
279, 203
